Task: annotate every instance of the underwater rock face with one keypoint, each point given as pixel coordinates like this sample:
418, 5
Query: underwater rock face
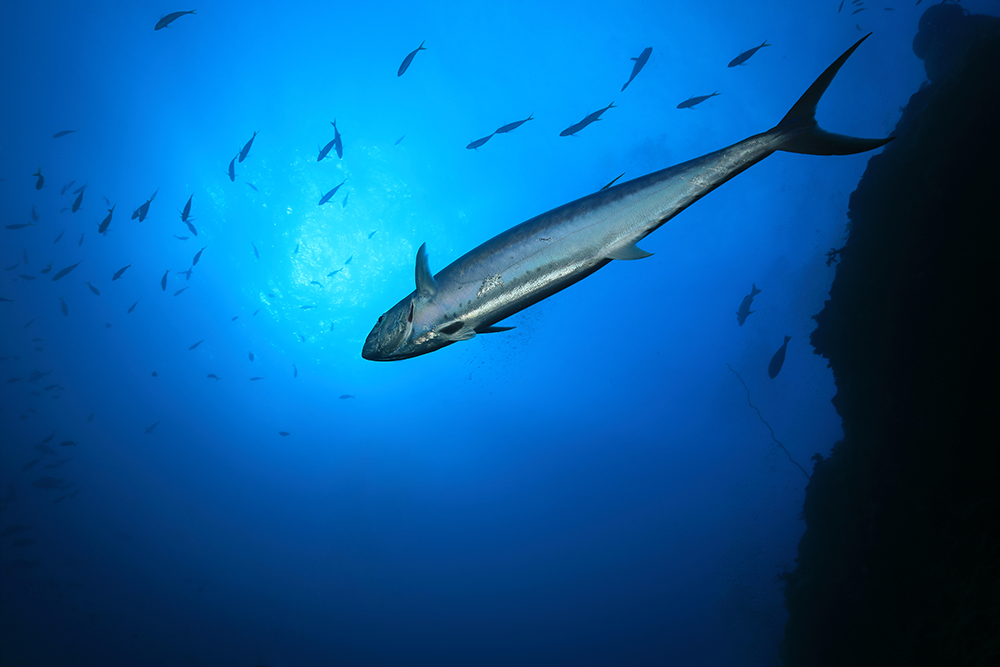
899, 561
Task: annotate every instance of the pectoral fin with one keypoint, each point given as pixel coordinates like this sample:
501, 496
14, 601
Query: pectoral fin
629, 252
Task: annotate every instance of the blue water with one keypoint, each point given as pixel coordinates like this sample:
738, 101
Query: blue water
589, 488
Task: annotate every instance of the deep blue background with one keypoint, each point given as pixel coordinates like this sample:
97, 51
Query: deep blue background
590, 488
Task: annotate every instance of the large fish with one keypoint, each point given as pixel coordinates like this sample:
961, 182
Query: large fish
325, 198
246, 147
546, 254
744, 311
103, 227
778, 360
338, 143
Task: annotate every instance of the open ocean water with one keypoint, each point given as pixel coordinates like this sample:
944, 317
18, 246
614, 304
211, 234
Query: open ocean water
197, 467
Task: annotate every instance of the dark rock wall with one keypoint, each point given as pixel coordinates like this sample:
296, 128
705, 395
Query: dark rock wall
900, 562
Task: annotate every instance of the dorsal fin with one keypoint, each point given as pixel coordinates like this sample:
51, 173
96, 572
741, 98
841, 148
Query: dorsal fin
426, 287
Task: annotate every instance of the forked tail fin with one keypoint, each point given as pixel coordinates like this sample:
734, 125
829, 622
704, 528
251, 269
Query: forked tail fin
806, 136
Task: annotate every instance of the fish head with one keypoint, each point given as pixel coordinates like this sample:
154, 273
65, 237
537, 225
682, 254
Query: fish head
391, 338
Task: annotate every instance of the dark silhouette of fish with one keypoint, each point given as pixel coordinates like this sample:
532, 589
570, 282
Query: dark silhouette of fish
513, 126
131, 308
691, 102
283, 433
479, 142
778, 359
373, 234
179, 291
590, 118
187, 209
337, 142
316, 282
48, 268
25, 276
861, 9
744, 310
149, 429
198, 256
398, 140
21, 225
213, 376
232, 169
31, 464
334, 272
119, 272
348, 260
197, 344
246, 147
92, 288
409, 59
163, 280
66, 187
255, 378
170, 18
63, 307
80, 242
325, 198
255, 253
343, 204
79, 200
640, 62
342, 396
181, 238
40, 183
252, 186
143, 210
295, 371
50, 436
745, 56
103, 227
62, 133
191, 227
250, 355
34, 214
326, 149
306, 307
67, 443
65, 272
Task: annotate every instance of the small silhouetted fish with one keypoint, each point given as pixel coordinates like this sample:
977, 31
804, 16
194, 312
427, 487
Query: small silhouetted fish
255, 312
92, 288
232, 169
861, 9
143, 210
25, 276
119, 272
79, 199
34, 214
12, 267
347, 396
343, 204
28, 324
80, 242
250, 354
170, 18
197, 344
47, 269
306, 307
283, 433
744, 309
187, 209
66, 187
213, 376
59, 237
47, 483
479, 142
745, 56
198, 256
408, 59
181, 238
398, 140
640, 62
337, 144
255, 378
335, 271
295, 371
163, 280
63, 307
252, 186
234, 318
20, 225
106, 201
40, 183
246, 147
179, 291
31, 464
255, 253
348, 260
778, 359
149, 429
373, 234
692, 101
316, 282
15, 528
67, 443
103, 227
62, 133
590, 118
325, 198
326, 149
296, 251
132, 307
513, 126
302, 338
